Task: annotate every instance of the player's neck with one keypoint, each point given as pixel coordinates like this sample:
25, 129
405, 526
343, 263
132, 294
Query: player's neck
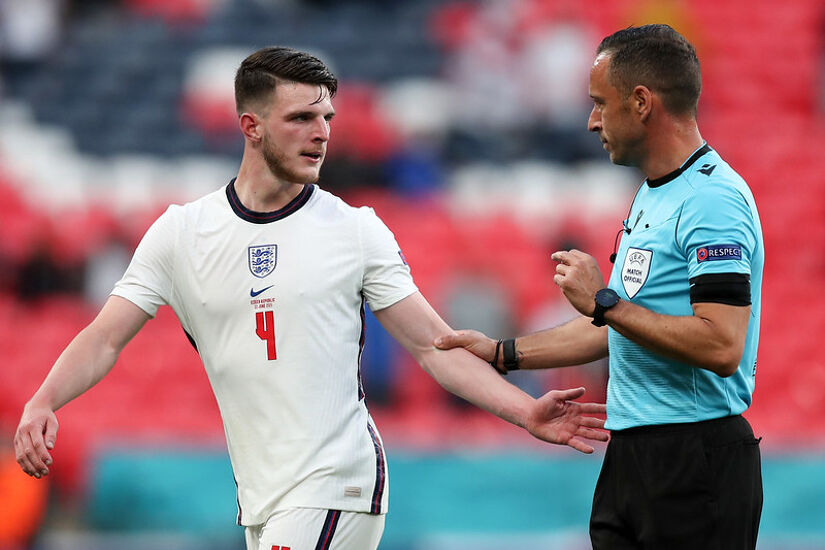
670, 147
260, 191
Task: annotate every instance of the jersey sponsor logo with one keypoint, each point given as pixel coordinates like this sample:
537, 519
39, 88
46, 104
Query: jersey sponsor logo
263, 259
638, 217
253, 292
707, 169
635, 270
715, 252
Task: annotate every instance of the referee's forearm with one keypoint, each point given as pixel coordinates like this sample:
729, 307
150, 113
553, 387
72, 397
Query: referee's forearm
574, 343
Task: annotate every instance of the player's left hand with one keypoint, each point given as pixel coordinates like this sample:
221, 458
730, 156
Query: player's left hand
579, 277
556, 419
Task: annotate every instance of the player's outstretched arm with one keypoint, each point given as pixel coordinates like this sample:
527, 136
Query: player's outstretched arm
552, 418
84, 362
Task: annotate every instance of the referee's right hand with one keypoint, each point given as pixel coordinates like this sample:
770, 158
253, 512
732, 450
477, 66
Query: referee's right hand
473, 341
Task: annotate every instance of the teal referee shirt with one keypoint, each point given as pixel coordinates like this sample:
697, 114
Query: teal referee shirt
700, 219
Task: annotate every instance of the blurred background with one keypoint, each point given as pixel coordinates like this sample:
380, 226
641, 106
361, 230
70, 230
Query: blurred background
463, 123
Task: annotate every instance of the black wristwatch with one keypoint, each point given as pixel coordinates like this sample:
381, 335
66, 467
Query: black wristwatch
605, 299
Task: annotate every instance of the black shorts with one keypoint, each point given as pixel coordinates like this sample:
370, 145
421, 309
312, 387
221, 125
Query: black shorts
679, 486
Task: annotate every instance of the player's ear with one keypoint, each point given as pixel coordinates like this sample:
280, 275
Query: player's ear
251, 126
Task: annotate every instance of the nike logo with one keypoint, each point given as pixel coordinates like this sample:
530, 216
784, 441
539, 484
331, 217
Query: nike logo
253, 292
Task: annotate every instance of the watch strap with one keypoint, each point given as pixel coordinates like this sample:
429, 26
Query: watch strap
598, 316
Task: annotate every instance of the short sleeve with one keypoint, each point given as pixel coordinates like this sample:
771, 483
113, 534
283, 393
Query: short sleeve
387, 278
717, 231
148, 280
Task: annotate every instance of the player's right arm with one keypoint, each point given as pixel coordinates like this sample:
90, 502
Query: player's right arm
554, 417
84, 362
574, 343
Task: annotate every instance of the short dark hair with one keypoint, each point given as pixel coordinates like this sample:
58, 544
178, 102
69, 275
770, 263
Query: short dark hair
658, 57
260, 72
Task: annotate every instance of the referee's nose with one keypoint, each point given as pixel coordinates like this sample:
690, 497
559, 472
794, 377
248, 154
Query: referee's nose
594, 121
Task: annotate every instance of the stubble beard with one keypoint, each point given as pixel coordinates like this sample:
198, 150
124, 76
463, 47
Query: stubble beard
275, 161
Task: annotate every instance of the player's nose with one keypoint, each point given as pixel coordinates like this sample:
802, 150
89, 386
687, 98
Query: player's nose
321, 130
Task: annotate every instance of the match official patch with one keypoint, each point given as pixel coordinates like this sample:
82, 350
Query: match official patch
635, 270
713, 252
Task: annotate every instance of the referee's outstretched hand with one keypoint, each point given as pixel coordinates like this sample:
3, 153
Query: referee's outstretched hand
555, 418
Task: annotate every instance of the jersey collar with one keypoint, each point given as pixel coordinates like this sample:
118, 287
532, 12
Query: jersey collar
266, 217
658, 182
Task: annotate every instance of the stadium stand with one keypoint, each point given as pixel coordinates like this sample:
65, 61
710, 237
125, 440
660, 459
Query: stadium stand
132, 112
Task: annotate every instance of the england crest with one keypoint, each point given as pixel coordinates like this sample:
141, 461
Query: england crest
262, 259
635, 270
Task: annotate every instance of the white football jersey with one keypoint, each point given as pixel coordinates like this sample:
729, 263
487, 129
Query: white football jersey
274, 304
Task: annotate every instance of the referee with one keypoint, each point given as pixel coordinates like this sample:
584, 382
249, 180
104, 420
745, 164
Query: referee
679, 317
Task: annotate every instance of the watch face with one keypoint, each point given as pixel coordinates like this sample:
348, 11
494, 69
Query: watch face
607, 297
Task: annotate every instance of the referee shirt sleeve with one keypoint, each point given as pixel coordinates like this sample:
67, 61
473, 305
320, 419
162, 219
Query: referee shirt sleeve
717, 231
147, 282
387, 278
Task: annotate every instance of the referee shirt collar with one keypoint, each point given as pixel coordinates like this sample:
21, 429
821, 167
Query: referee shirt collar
658, 182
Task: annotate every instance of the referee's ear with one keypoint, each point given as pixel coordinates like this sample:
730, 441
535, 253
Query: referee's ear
642, 103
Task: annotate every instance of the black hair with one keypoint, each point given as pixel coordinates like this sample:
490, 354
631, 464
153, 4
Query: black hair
658, 57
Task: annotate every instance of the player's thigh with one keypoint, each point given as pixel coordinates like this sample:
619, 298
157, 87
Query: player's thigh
252, 534
357, 530
317, 529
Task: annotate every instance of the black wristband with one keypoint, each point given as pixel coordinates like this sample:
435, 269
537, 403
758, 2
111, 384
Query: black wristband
494, 362
509, 357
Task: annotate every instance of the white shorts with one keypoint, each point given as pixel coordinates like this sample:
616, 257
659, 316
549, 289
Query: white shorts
316, 529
